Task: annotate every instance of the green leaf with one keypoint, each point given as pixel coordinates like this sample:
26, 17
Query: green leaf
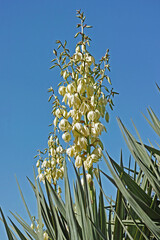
8, 231
139, 211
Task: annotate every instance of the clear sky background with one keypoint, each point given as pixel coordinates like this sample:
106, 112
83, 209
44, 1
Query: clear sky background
28, 31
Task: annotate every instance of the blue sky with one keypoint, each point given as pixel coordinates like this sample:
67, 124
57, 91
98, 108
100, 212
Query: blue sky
29, 29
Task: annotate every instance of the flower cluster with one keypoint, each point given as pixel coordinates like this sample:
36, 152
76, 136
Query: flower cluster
77, 117
52, 168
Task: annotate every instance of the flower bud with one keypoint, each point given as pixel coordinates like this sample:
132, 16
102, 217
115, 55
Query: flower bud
65, 75
50, 141
66, 136
55, 122
78, 49
65, 98
83, 48
32, 226
38, 164
52, 150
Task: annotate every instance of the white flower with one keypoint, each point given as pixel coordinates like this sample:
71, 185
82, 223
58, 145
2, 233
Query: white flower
62, 90
70, 152
78, 49
71, 88
64, 125
82, 142
81, 88
58, 113
78, 162
59, 149
98, 152
44, 164
50, 141
41, 177
90, 91
45, 236
97, 115
88, 163
84, 108
75, 101
78, 56
65, 75
85, 131
65, 98
66, 136
94, 158
77, 127
91, 115
89, 178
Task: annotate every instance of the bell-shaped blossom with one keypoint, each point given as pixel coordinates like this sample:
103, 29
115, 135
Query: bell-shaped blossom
70, 151
66, 136
62, 90
71, 88
78, 162
58, 113
64, 124
84, 108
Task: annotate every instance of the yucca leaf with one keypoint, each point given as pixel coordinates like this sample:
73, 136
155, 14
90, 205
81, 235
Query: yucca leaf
40, 229
110, 216
155, 124
118, 229
26, 227
139, 211
44, 209
20, 234
25, 204
70, 217
134, 148
58, 202
101, 210
8, 231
